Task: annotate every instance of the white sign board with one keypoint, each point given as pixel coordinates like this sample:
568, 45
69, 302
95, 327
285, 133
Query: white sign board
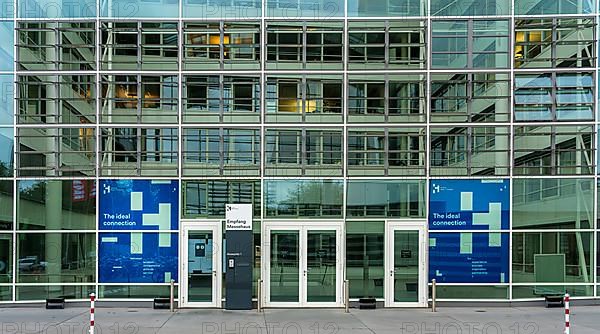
238, 217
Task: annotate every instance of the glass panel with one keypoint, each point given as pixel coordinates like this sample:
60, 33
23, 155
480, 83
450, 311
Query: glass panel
545, 7
553, 203
6, 272
304, 8
41, 292
406, 266
538, 291
5, 293
552, 257
6, 49
398, 8
553, 150
386, 198
304, 198
57, 151
200, 266
285, 266
56, 9
472, 292
56, 258
139, 8
6, 98
208, 198
6, 154
57, 205
6, 205
135, 291
364, 258
203, 9
470, 7
321, 266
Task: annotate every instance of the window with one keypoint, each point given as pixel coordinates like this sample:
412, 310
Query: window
399, 8
470, 97
231, 9
303, 198
567, 260
377, 45
304, 98
139, 99
372, 198
221, 99
221, 45
470, 44
553, 150
221, 151
381, 98
68, 46
554, 96
69, 99
6, 154
303, 152
304, 8
56, 151
311, 45
148, 46
386, 152
139, 151
481, 150
208, 198
75, 263
543, 7
470, 8
552, 203
56, 205
555, 42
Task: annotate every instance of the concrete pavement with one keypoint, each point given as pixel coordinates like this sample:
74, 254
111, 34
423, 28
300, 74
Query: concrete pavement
448, 320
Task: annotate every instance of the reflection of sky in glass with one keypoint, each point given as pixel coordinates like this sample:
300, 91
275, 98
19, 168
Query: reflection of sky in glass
545, 7
6, 100
292, 9
246, 9
137, 8
56, 9
6, 47
385, 8
6, 146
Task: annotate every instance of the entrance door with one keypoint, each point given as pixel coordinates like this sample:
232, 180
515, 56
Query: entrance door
201, 267
303, 264
405, 263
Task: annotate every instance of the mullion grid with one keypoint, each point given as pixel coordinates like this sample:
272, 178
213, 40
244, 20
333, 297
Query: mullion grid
346, 19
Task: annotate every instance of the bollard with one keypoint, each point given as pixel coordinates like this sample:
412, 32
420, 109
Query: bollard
347, 296
92, 300
433, 295
172, 297
258, 295
567, 314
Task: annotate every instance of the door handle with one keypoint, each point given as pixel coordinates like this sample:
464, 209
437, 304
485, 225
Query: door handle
305, 272
215, 273
391, 273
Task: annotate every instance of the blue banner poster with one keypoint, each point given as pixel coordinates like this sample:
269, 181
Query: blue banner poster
137, 257
464, 257
138, 205
469, 205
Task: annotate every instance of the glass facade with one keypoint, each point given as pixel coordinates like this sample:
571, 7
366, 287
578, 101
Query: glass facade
352, 111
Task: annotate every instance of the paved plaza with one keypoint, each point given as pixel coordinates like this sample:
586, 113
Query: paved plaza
448, 320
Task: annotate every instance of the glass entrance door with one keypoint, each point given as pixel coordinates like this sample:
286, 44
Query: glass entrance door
201, 264
406, 279
303, 266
